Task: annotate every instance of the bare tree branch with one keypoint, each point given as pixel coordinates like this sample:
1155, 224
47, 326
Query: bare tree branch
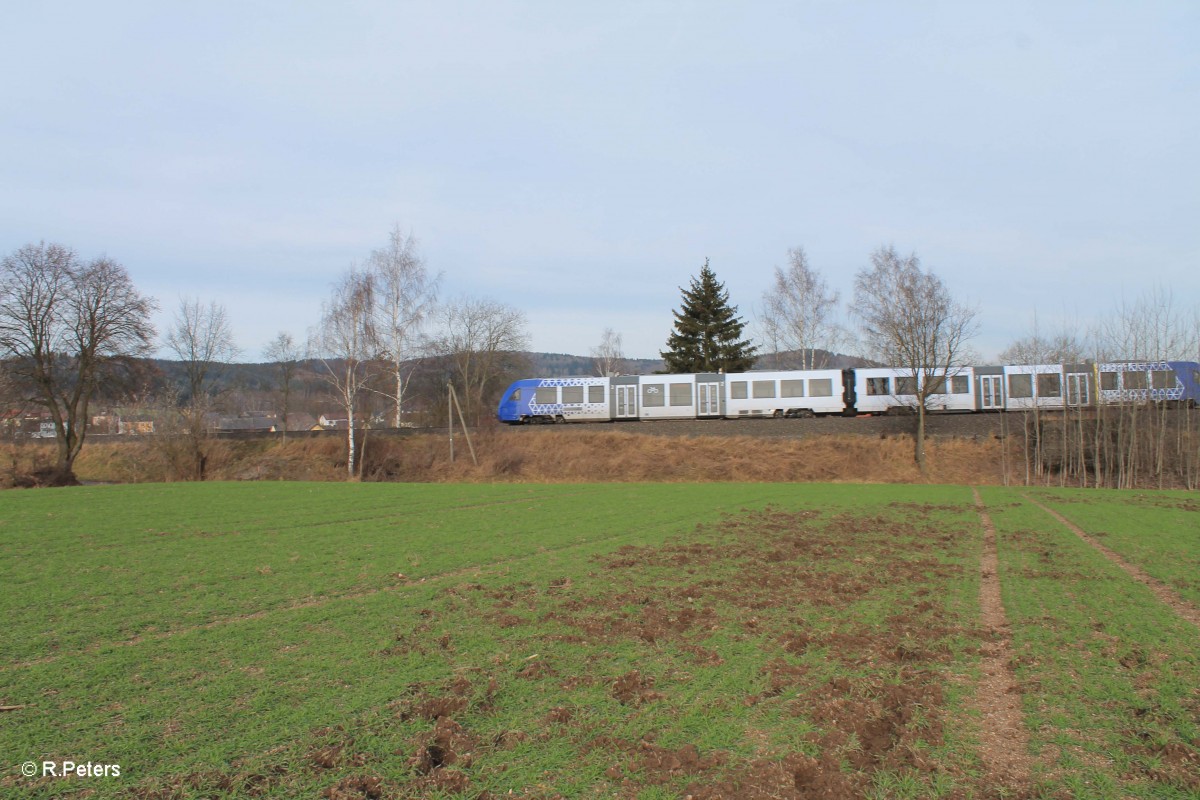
66, 330
609, 355
405, 294
202, 339
347, 344
482, 340
798, 315
909, 319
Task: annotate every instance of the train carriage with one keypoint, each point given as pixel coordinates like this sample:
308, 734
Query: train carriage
687, 396
890, 390
790, 393
868, 390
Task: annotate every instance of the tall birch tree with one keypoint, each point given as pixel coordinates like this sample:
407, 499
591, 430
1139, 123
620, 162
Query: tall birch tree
798, 317
347, 344
405, 294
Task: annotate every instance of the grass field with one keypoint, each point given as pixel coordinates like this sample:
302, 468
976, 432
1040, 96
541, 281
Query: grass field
591, 640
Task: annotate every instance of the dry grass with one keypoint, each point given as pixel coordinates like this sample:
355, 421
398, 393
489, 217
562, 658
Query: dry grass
555, 454
589, 454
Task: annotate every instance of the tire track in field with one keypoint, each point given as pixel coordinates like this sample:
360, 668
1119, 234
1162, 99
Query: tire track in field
1004, 737
1163, 592
476, 569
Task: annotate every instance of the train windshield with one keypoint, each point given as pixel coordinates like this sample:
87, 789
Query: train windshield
515, 396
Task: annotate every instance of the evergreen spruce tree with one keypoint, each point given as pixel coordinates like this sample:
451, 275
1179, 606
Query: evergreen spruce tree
708, 331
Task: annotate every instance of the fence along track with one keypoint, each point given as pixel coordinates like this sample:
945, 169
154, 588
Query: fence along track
1004, 737
1163, 592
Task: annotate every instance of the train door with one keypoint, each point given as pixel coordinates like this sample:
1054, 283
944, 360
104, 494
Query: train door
991, 392
1078, 393
626, 401
708, 396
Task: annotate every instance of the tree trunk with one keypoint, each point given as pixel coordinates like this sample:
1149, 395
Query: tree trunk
350, 441
919, 442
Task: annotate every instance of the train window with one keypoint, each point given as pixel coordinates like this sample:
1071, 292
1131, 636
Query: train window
936, 385
515, 396
878, 386
1108, 381
681, 394
1134, 380
652, 395
820, 387
737, 390
764, 389
1162, 379
1020, 386
1049, 384
572, 394
960, 384
596, 394
546, 395
791, 388
906, 385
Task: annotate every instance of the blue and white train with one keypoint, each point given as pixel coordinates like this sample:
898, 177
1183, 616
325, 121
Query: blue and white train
846, 392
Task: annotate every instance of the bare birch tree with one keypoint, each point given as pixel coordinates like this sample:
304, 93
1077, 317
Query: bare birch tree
909, 319
482, 340
405, 294
347, 345
285, 354
798, 315
66, 330
609, 356
202, 339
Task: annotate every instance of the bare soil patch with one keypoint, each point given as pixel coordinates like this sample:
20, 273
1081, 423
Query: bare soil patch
1004, 737
884, 713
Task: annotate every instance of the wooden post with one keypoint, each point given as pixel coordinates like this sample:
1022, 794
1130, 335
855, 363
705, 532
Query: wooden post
463, 423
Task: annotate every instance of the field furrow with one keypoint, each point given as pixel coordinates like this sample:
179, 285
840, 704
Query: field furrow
1004, 737
1163, 592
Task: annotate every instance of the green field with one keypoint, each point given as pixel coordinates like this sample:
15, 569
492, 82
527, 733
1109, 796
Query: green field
634, 640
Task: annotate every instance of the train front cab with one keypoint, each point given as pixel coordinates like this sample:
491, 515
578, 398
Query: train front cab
1188, 374
514, 403
1157, 381
555, 400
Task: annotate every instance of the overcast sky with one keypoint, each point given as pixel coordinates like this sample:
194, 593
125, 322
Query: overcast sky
579, 161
